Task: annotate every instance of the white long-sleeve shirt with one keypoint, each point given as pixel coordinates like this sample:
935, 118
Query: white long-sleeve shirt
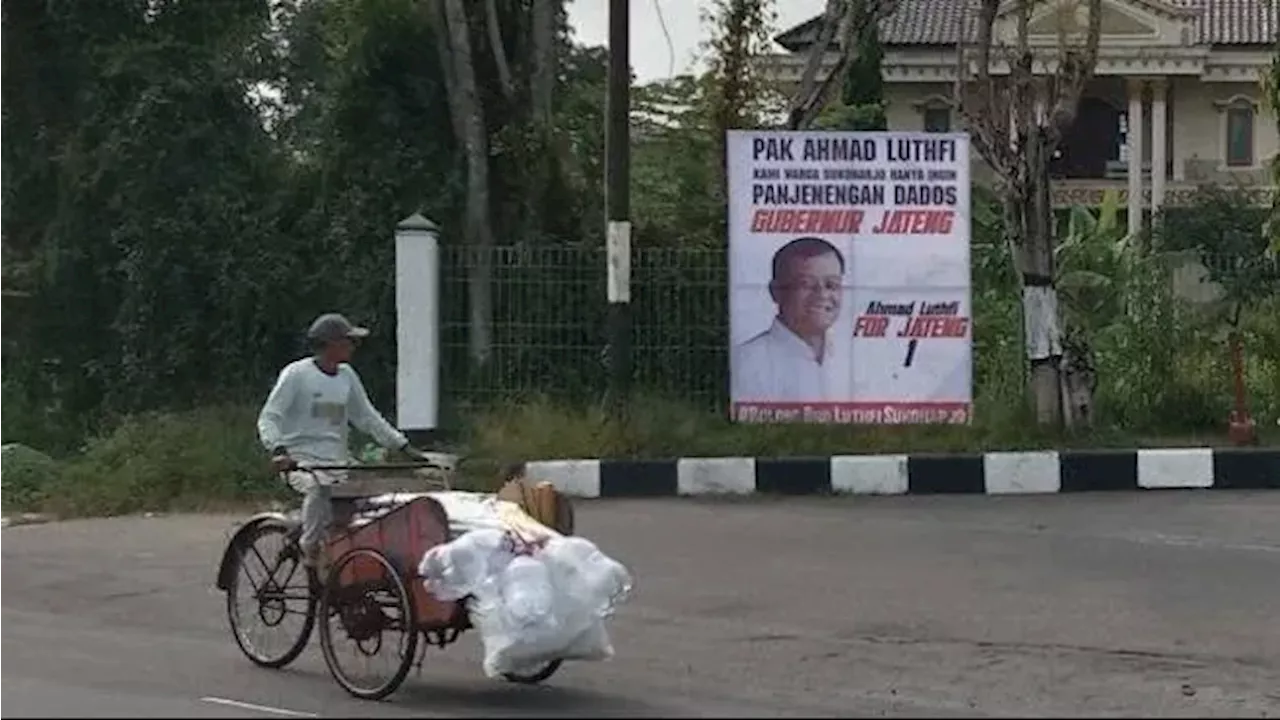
308, 412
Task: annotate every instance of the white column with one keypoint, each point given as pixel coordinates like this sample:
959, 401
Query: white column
417, 324
1134, 142
1159, 161
1178, 155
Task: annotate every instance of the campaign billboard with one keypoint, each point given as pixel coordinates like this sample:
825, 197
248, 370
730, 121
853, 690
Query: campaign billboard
849, 277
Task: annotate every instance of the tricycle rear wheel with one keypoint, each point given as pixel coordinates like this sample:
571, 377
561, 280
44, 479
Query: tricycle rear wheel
366, 597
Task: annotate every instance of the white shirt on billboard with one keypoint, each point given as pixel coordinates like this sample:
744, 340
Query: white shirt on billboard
778, 366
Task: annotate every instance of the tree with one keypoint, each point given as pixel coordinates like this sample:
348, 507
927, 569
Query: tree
196, 185
1016, 122
861, 105
677, 164
375, 132
1225, 229
503, 61
144, 211
1271, 95
850, 22
740, 30
863, 77
680, 126
459, 64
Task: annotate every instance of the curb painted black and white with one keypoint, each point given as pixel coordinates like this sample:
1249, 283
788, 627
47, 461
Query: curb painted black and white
996, 473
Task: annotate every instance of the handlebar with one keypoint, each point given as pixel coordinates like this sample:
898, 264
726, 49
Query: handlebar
370, 467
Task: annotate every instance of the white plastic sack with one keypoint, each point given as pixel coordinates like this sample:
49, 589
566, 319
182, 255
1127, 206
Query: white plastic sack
457, 569
467, 511
530, 604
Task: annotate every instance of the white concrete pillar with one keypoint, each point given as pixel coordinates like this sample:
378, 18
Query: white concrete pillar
1133, 139
1178, 154
1159, 143
417, 324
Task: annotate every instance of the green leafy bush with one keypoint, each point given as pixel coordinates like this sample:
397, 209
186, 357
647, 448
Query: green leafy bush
1163, 370
164, 461
28, 474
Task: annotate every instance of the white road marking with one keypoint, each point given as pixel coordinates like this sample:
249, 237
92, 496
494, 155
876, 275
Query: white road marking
259, 708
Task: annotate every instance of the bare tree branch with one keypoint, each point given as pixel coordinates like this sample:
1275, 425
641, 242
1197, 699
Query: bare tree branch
986, 33
1001, 123
826, 33
978, 100
447, 69
543, 79
1023, 80
466, 108
849, 18
1074, 72
499, 50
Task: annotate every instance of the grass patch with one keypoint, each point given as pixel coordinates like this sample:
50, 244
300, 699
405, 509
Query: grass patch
209, 459
206, 459
663, 429
164, 461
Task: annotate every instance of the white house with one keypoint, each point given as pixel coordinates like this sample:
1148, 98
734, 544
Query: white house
1187, 72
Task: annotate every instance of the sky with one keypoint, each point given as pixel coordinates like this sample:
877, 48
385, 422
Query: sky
651, 56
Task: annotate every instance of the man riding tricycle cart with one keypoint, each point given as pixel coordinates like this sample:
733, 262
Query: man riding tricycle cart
388, 556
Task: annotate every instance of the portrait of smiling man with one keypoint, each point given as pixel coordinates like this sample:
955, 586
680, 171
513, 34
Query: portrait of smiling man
799, 357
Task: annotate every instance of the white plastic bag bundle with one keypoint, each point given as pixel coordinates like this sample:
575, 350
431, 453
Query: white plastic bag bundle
599, 582
457, 569
525, 585
468, 511
581, 565
530, 609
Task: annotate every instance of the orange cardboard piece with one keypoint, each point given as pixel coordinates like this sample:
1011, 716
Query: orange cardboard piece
540, 501
544, 494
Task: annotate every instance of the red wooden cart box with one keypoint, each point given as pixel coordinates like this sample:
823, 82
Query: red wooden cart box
403, 535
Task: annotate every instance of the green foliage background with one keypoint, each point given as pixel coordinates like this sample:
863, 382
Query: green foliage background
187, 184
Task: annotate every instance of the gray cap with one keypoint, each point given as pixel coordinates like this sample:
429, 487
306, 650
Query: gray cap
332, 326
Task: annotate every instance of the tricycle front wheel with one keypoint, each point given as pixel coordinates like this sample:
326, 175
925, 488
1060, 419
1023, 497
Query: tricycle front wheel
270, 606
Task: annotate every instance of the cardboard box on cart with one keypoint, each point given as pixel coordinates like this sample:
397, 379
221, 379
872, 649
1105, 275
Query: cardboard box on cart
539, 499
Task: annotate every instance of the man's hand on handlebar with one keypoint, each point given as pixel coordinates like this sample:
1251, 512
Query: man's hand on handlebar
281, 462
414, 453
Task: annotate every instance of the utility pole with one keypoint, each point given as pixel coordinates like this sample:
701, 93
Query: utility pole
617, 177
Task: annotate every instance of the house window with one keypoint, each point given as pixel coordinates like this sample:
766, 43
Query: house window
1239, 134
937, 119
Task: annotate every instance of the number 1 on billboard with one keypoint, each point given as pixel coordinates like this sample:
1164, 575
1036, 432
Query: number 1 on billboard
911, 353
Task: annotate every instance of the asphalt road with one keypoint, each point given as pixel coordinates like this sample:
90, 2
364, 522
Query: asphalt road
1154, 604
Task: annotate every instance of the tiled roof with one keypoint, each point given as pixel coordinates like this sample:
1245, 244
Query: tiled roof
925, 22
938, 22
1240, 22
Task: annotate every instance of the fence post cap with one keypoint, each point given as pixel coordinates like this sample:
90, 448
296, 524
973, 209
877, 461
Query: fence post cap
417, 223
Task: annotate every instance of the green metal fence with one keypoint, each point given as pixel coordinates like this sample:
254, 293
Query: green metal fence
548, 327
549, 313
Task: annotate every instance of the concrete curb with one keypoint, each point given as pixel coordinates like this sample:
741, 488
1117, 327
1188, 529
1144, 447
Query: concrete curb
996, 473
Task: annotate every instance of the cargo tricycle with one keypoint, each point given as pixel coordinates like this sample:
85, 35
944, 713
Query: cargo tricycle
372, 607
